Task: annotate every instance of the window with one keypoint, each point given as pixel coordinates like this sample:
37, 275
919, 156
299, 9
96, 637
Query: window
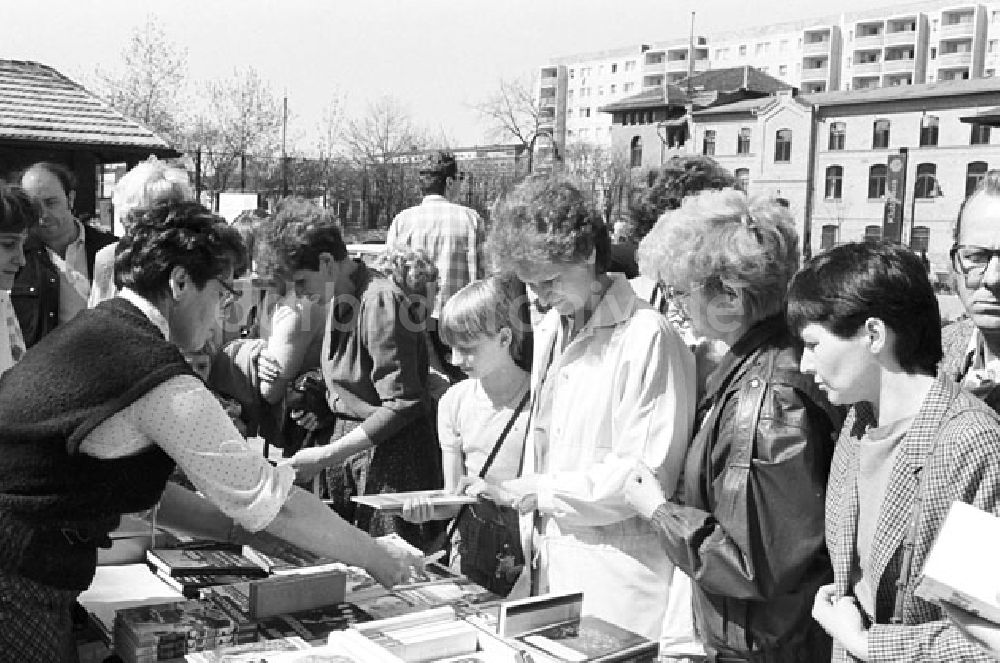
834, 182
873, 233
569, 112
742, 179
880, 135
876, 180
569, 95
627, 87
614, 67
584, 134
783, 70
838, 134
920, 238
974, 174
926, 184
783, 145
613, 89
743, 141
991, 46
933, 52
572, 73
763, 47
630, 65
783, 45
828, 238
743, 49
929, 131
980, 134
600, 90
635, 152
585, 112
708, 147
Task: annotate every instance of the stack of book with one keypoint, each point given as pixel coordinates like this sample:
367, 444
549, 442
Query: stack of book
249, 653
191, 570
423, 636
165, 631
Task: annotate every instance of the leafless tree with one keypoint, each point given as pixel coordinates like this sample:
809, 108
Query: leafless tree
147, 86
511, 112
606, 173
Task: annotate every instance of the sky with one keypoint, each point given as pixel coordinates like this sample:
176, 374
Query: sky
437, 57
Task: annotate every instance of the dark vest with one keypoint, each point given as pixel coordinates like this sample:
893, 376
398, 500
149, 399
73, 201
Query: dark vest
56, 504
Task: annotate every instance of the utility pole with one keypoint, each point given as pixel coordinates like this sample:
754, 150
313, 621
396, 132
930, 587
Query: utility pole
284, 158
690, 58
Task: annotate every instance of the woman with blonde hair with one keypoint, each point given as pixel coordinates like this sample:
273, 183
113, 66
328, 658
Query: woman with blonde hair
746, 523
612, 388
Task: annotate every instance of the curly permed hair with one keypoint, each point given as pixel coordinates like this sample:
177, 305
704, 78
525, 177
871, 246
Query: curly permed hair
722, 240
299, 232
668, 185
178, 235
548, 220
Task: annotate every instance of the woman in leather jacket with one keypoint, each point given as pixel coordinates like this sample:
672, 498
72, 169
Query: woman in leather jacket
746, 523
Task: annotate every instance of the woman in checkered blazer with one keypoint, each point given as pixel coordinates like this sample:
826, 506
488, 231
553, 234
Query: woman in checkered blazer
911, 445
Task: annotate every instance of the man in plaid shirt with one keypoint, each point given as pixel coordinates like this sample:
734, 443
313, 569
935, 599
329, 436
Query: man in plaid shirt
452, 235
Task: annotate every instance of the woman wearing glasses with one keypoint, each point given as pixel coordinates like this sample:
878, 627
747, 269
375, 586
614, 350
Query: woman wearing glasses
746, 523
99, 412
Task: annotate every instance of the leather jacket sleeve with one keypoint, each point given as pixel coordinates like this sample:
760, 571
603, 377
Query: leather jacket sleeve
769, 535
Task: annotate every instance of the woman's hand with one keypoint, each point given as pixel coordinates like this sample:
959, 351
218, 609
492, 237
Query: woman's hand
307, 463
417, 510
394, 564
984, 633
643, 491
268, 368
476, 487
841, 618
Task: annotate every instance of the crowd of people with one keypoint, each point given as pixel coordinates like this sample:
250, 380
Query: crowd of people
742, 456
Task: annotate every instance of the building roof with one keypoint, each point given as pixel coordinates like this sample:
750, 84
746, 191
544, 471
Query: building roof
38, 104
903, 92
731, 79
742, 106
671, 95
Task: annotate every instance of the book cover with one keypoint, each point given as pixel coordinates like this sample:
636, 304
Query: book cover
393, 502
590, 639
190, 585
179, 562
248, 653
313, 625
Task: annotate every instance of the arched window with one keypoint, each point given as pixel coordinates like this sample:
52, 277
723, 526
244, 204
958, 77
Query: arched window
873, 232
834, 182
828, 238
876, 180
783, 145
929, 131
974, 174
742, 179
636, 152
743, 141
880, 135
708, 147
980, 134
920, 238
926, 184
838, 135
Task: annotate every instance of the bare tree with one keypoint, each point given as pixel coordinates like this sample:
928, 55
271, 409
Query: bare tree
605, 172
511, 112
152, 74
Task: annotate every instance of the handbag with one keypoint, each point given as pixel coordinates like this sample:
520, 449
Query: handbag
489, 542
306, 392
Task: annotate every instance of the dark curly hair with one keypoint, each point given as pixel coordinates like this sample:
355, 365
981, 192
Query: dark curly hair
298, 233
177, 235
17, 210
548, 220
669, 184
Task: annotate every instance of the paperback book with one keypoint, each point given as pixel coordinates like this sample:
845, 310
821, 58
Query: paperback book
183, 562
393, 502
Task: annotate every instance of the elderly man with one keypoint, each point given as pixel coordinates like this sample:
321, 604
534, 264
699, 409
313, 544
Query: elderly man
452, 235
972, 346
54, 283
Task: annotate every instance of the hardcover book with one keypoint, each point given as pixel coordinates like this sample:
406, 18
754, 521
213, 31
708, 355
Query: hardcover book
181, 562
590, 639
393, 502
313, 625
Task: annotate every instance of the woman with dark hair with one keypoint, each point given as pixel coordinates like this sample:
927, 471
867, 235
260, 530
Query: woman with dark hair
17, 214
746, 523
380, 437
913, 443
612, 387
98, 414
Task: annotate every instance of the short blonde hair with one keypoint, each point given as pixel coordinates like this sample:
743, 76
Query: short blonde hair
483, 308
152, 182
722, 240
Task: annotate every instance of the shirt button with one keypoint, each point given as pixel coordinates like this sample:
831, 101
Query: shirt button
755, 383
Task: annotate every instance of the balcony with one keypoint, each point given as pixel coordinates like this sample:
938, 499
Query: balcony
952, 60
899, 65
960, 29
867, 68
654, 62
816, 47
652, 81
812, 88
897, 80
866, 82
815, 73
674, 66
901, 38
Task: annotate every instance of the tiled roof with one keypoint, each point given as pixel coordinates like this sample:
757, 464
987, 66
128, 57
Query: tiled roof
730, 79
903, 92
37, 103
650, 98
742, 106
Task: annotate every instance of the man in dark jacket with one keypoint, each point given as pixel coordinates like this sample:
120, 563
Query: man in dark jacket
54, 283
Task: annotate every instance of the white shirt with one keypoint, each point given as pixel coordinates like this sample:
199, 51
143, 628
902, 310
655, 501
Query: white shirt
182, 417
74, 278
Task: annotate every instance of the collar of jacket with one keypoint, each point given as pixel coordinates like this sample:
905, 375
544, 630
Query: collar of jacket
745, 348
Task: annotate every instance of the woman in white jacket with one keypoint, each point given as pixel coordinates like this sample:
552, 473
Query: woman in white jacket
612, 386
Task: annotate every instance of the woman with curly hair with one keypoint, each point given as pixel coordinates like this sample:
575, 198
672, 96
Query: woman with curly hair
374, 362
612, 388
746, 524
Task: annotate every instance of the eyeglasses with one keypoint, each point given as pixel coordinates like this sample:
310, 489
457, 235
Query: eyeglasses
972, 261
228, 295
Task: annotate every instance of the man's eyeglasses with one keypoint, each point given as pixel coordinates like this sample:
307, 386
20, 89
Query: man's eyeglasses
972, 261
228, 295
